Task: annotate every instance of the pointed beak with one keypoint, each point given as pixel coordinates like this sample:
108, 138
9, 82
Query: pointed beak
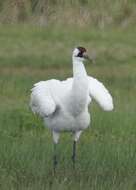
88, 58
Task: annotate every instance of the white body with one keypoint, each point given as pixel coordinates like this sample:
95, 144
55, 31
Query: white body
63, 105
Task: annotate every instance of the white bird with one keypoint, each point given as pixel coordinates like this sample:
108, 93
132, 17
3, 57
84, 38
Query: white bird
63, 105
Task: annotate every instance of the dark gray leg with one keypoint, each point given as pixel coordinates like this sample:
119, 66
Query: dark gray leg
74, 154
55, 162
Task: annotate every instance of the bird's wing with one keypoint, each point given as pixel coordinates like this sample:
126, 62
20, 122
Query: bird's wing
41, 101
99, 93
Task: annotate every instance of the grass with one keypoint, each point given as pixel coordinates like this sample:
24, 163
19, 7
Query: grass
106, 151
78, 12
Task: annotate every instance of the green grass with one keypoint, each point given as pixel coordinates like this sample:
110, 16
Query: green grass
106, 151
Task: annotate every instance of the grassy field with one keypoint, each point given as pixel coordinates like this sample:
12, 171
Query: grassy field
107, 150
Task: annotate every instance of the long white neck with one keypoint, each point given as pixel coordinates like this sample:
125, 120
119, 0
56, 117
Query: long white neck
79, 89
78, 68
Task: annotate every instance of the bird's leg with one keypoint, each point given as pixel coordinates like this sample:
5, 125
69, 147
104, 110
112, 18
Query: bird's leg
55, 139
55, 162
76, 138
74, 153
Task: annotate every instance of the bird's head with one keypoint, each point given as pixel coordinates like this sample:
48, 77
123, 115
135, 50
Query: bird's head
80, 54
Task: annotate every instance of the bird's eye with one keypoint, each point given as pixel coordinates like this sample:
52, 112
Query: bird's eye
80, 54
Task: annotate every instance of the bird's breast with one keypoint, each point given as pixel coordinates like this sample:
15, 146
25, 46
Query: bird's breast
65, 121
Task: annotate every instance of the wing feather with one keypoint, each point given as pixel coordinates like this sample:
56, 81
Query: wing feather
41, 101
101, 95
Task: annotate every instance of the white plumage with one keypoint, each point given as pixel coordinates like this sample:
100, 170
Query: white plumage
63, 105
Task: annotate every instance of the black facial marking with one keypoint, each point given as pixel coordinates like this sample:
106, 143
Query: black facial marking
81, 51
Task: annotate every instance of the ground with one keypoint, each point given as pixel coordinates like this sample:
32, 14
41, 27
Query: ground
106, 155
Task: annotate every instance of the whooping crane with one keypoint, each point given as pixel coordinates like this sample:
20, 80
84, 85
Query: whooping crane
63, 105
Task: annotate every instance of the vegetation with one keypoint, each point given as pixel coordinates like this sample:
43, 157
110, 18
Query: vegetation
76, 12
107, 151
29, 53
